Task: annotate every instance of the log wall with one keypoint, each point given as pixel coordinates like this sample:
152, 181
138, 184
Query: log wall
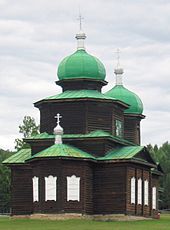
109, 189
132, 129
21, 190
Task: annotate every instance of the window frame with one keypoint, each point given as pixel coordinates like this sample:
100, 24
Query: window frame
133, 190
118, 128
146, 192
154, 203
35, 188
139, 200
73, 188
51, 184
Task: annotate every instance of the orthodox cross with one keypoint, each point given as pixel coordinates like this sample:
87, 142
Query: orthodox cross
58, 118
118, 56
80, 18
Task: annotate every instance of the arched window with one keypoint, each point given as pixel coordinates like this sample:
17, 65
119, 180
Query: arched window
154, 197
73, 188
35, 183
146, 192
139, 191
133, 190
50, 188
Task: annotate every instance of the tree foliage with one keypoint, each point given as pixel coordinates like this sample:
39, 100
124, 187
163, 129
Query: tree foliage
162, 155
4, 182
28, 128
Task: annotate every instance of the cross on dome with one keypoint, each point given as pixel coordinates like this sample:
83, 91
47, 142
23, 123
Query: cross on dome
80, 18
58, 130
58, 118
118, 57
81, 35
118, 70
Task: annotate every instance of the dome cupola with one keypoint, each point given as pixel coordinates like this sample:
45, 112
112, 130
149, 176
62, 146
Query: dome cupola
123, 94
80, 64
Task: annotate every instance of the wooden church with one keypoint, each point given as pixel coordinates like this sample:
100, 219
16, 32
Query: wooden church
91, 162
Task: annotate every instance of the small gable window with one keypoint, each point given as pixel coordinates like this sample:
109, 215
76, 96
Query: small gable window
146, 192
73, 188
50, 188
35, 181
133, 193
139, 191
118, 128
154, 197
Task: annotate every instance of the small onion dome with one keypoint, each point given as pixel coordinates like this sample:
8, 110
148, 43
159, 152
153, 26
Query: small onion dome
81, 65
121, 93
58, 130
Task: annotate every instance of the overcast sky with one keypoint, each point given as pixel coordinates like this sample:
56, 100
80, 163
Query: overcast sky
36, 35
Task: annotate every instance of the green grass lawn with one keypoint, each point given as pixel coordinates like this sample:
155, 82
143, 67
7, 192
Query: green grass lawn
26, 224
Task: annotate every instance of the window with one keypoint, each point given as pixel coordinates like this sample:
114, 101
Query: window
146, 192
139, 191
118, 128
35, 189
133, 193
154, 198
73, 188
50, 188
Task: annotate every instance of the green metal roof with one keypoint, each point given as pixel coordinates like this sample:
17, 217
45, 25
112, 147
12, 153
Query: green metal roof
126, 152
77, 94
93, 134
19, 157
62, 150
67, 151
81, 65
121, 93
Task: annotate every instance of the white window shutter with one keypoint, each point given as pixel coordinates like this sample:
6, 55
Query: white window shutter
154, 197
35, 181
73, 188
50, 188
139, 191
133, 190
146, 192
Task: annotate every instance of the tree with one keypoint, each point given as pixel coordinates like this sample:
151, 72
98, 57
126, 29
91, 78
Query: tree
162, 155
28, 128
4, 182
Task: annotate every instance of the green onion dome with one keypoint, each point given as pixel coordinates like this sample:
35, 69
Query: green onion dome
81, 65
121, 93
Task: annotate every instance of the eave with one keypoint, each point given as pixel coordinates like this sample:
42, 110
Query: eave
45, 101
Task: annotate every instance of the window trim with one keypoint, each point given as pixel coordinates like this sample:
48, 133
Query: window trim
139, 191
73, 188
154, 204
118, 130
133, 190
35, 188
48, 194
146, 192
